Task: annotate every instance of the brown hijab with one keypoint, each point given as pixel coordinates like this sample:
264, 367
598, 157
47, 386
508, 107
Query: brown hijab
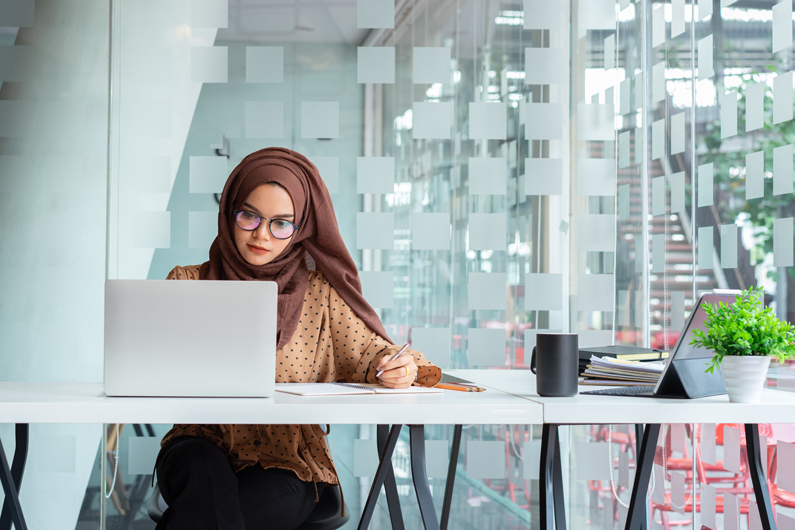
317, 234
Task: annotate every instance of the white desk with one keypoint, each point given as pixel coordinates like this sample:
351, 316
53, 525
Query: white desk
25, 403
87, 403
774, 407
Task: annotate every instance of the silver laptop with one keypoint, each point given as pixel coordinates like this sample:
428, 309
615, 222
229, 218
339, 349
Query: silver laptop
190, 338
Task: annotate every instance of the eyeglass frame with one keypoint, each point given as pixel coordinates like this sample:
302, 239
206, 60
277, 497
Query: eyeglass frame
270, 220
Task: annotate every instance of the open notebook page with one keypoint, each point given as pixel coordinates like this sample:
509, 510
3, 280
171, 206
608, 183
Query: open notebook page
335, 389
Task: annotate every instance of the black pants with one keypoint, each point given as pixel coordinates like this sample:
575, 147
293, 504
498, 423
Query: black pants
203, 493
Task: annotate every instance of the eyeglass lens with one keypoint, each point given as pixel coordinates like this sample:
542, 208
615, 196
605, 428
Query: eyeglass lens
279, 228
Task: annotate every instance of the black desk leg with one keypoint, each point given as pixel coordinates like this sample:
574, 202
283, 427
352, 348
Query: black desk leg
420, 477
451, 467
638, 444
550, 487
644, 465
756, 468
383, 466
557, 487
11, 480
390, 485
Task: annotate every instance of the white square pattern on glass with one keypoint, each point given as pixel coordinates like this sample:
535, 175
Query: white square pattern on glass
543, 292
485, 459
595, 292
623, 149
531, 458
658, 253
365, 457
320, 119
151, 230
705, 70
755, 175
542, 66
658, 195
593, 461
487, 290
143, 119
375, 174
202, 229
487, 176
488, 121
595, 121
485, 347
728, 246
597, 232
264, 64
375, 14
706, 191
543, 121
376, 64
782, 170
754, 107
543, 176
705, 235
207, 174
375, 230
596, 176
434, 343
782, 242
436, 458
782, 98
541, 14
728, 114
433, 121
430, 231
782, 26
141, 454
377, 288
209, 14
264, 119
431, 65
488, 231
143, 174
329, 168
209, 64
56, 453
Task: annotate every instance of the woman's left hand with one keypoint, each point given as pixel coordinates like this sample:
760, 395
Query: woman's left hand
399, 373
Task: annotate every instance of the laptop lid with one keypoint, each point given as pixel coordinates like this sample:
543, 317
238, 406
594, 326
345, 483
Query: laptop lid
685, 373
190, 338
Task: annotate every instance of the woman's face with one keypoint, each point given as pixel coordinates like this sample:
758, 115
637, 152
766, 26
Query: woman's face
258, 246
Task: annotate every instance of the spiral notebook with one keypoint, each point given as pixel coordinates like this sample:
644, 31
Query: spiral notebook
343, 389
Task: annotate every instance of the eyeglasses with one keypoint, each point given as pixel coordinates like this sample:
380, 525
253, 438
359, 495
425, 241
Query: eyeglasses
279, 228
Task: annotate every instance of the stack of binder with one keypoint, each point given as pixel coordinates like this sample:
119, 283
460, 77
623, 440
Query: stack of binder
623, 353
607, 371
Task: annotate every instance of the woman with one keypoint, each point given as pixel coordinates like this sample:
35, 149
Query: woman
274, 210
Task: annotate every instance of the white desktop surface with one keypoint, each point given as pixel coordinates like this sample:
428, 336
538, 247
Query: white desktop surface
87, 403
775, 406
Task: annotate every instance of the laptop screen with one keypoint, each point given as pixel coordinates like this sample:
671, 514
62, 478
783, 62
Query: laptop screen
683, 348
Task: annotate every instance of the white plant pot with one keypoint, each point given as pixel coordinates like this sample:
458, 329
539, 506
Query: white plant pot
744, 377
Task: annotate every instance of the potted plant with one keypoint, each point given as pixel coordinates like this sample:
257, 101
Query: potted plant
744, 336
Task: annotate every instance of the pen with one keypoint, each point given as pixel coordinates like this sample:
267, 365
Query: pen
459, 388
398, 354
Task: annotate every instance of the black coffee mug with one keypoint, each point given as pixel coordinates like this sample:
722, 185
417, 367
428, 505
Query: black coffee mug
558, 364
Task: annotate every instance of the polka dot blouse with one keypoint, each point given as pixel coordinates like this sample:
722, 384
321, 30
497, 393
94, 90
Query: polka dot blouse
330, 343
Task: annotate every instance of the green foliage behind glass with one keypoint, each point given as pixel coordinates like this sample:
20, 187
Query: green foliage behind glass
745, 327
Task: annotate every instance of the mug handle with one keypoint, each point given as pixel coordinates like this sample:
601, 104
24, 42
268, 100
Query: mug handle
533, 360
